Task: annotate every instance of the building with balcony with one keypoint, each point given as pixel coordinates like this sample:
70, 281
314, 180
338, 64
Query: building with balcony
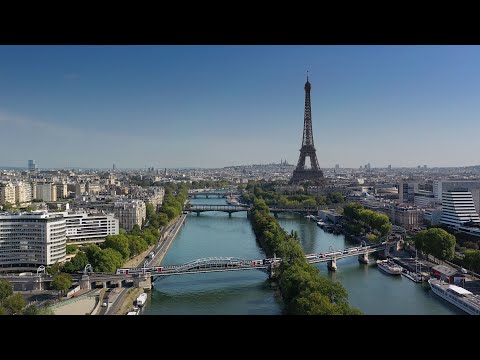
85, 227
130, 212
28, 240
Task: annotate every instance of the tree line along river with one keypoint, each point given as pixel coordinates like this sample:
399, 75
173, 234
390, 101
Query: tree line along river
250, 292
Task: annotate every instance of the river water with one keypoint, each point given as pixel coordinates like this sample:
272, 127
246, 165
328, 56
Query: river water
250, 292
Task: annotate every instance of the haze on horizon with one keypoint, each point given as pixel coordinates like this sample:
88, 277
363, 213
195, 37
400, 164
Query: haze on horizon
216, 106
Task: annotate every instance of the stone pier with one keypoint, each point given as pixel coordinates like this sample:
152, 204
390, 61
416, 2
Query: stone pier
85, 282
363, 258
332, 264
142, 281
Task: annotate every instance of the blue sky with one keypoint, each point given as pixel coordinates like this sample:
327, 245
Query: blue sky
215, 106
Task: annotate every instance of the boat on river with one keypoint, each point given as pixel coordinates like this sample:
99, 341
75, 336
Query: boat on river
389, 267
456, 295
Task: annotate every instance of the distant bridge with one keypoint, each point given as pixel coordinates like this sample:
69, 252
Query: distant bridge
213, 193
199, 208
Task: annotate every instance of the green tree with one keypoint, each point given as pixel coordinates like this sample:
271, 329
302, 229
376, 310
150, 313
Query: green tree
71, 248
30, 310
162, 219
471, 260
3, 311
136, 245
45, 311
437, 242
54, 269
170, 211
352, 211
15, 303
62, 282
372, 237
119, 243
6, 289
7, 206
77, 263
92, 251
135, 230
108, 260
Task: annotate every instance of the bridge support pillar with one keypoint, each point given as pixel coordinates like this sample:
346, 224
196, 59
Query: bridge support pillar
85, 282
38, 283
332, 264
230, 214
198, 213
272, 274
142, 281
363, 258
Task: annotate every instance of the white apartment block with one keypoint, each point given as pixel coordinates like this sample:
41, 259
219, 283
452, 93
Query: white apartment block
28, 240
7, 194
23, 192
458, 209
130, 212
46, 192
89, 227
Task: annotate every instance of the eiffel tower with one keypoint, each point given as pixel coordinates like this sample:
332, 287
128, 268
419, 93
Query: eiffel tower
301, 174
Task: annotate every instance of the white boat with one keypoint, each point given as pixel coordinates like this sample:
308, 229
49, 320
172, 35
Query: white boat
456, 295
142, 299
415, 277
135, 311
321, 223
389, 267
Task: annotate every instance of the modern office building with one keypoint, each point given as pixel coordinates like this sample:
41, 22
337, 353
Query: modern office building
440, 186
130, 212
425, 199
89, 227
31, 165
28, 240
458, 209
432, 216
407, 190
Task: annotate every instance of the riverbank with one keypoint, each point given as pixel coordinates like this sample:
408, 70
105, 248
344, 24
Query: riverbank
127, 301
162, 248
165, 240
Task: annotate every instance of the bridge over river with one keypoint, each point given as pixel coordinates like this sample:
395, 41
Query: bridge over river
275, 209
222, 264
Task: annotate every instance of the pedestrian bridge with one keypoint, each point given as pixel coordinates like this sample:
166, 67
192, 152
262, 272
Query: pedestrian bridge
222, 264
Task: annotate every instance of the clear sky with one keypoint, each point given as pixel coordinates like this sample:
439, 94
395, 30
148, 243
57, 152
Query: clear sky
215, 106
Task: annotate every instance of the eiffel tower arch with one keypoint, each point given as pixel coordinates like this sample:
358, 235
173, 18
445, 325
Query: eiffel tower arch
301, 173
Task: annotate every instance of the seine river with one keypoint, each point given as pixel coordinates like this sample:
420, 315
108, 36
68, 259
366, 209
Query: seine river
250, 292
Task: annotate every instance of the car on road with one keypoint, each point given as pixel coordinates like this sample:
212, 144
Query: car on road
104, 304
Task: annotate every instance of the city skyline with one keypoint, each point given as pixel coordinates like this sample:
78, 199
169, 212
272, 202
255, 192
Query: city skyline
217, 106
